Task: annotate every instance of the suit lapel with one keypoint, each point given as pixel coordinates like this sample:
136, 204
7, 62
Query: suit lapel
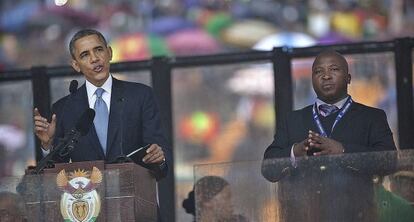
343, 125
81, 104
115, 115
308, 120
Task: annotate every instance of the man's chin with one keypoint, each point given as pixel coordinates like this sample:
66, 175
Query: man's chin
99, 79
102, 75
327, 98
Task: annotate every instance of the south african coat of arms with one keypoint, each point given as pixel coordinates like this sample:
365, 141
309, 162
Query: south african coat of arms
80, 202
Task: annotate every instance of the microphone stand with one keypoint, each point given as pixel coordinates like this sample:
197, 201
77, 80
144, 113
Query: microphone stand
65, 146
43, 162
122, 158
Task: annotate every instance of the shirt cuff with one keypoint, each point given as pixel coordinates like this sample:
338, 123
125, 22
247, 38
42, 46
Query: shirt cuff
45, 152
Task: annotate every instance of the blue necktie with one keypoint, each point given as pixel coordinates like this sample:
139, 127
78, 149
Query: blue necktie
327, 109
101, 118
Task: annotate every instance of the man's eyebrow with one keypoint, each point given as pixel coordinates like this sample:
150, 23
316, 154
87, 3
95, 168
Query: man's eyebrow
83, 52
86, 51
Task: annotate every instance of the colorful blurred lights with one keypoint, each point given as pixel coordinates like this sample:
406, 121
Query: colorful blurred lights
201, 121
60, 2
199, 127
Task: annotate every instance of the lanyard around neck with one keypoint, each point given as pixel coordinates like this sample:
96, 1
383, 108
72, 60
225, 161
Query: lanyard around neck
342, 112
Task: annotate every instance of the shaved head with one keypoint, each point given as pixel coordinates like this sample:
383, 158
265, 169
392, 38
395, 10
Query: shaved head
330, 77
332, 53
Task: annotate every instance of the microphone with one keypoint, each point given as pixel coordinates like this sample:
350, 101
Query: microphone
67, 144
73, 87
85, 121
122, 158
121, 142
82, 127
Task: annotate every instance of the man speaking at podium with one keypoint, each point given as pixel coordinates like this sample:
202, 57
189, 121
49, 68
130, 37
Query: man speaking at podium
333, 125
127, 116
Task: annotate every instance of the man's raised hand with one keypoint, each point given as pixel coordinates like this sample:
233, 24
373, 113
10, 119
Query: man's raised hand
43, 129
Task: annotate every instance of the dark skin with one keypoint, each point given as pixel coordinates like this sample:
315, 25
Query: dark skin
330, 79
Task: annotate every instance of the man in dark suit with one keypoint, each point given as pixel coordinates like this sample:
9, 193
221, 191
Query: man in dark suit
123, 109
333, 125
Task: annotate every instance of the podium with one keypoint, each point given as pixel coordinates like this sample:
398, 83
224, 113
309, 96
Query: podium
88, 191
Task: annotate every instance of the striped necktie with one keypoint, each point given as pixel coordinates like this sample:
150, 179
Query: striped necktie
327, 109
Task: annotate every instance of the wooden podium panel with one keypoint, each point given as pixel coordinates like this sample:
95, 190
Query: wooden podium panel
127, 192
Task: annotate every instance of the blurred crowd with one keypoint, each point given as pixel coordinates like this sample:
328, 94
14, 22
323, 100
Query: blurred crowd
36, 32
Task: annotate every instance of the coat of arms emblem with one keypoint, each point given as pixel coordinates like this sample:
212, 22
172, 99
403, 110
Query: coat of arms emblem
80, 202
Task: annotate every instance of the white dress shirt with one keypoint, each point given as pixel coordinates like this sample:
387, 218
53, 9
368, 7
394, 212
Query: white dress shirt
339, 104
106, 96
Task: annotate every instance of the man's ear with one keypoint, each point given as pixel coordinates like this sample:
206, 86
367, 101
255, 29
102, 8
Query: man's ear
75, 65
110, 53
349, 79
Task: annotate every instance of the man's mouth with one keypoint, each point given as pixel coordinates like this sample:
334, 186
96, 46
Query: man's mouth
98, 68
328, 86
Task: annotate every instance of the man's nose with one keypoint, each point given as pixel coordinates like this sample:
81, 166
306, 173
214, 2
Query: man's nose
326, 75
94, 57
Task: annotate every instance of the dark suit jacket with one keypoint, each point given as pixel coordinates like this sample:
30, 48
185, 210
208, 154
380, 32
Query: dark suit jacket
342, 191
362, 129
134, 115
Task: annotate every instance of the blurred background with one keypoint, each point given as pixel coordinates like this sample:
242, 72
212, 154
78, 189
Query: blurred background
220, 113
35, 32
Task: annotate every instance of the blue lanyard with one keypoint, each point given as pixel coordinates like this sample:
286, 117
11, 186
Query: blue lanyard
338, 117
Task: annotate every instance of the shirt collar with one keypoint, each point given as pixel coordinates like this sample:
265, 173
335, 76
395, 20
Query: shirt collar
338, 104
91, 88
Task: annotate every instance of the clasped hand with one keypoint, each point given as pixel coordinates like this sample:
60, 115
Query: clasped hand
324, 145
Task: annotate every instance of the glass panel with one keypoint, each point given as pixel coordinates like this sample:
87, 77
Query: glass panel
372, 84
60, 86
16, 127
221, 114
374, 186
